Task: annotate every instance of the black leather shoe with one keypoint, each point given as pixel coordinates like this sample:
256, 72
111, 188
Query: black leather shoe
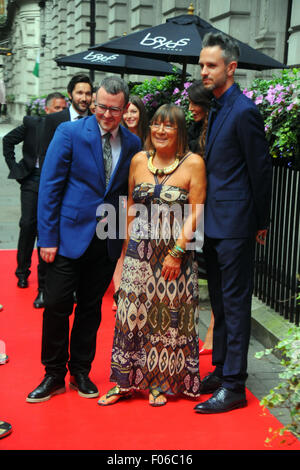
39, 301
210, 384
222, 400
83, 385
48, 387
22, 282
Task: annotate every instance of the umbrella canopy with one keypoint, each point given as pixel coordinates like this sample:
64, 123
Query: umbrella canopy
112, 62
179, 40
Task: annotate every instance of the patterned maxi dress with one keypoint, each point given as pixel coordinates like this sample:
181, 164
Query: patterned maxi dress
155, 340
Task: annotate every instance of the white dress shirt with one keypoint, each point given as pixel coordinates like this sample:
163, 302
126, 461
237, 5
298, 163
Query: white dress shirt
74, 115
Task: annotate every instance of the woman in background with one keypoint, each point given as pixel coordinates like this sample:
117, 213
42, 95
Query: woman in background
199, 104
136, 119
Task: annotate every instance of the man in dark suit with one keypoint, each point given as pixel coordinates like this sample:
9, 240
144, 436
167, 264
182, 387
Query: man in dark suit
27, 173
80, 94
86, 166
236, 212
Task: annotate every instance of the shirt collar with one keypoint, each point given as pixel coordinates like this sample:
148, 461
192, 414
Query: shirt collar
223, 98
114, 132
74, 115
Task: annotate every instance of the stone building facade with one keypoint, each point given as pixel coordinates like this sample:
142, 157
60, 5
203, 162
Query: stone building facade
49, 28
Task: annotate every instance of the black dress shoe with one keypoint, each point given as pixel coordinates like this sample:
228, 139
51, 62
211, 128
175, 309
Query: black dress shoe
83, 385
39, 301
210, 384
48, 387
222, 400
22, 282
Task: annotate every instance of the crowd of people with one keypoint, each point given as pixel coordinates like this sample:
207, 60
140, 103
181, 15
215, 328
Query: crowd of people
102, 149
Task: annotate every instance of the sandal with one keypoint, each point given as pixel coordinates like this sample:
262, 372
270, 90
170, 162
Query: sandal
5, 429
114, 392
155, 394
3, 359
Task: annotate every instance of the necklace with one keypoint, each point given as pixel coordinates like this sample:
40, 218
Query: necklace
162, 171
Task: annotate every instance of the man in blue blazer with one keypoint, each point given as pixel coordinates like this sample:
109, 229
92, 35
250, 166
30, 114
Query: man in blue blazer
75, 181
239, 175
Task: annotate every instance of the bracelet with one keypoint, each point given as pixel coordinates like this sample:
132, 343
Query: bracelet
174, 254
177, 252
177, 247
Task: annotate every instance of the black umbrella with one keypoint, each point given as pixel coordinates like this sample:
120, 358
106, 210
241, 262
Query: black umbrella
179, 40
117, 63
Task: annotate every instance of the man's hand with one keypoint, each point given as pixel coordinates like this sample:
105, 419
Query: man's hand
261, 236
48, 254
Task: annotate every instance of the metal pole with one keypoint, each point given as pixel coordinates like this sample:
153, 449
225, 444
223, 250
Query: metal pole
92, 25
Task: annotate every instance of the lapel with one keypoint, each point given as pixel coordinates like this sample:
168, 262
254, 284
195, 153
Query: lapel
222, 116
94, 138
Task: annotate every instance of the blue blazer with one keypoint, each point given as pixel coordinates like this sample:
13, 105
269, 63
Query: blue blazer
72, 186
239, 171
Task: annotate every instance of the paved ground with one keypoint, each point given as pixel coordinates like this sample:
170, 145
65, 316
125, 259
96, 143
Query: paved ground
263, 374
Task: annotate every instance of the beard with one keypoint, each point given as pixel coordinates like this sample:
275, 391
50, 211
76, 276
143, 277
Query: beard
219, 82
80, 107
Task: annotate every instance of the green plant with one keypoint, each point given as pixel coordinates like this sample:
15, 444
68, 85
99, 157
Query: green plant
287, 393
278, 101
10, 98
156, 92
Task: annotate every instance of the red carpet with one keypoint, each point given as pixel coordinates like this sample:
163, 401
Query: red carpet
68, 422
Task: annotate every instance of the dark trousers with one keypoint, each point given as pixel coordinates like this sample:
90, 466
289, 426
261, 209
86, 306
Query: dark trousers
28, 230
90, 276
230, 283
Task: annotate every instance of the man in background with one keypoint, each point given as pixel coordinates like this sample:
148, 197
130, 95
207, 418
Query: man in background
27, 173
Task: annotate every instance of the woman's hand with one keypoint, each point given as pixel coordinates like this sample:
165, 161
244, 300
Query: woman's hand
171, 268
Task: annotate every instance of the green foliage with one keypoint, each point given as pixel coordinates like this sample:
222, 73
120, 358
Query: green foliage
287, 393
278, 101
155, 93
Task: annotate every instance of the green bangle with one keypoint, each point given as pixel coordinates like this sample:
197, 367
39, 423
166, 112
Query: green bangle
176, 247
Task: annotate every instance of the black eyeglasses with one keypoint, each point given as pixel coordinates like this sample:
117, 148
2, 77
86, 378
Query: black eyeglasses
114, 110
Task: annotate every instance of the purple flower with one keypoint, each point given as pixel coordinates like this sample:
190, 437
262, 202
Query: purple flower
176, 90
259, 99
249, 94
270, 98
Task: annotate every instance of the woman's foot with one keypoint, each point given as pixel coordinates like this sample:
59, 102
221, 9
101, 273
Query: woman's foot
157, 398
113, 395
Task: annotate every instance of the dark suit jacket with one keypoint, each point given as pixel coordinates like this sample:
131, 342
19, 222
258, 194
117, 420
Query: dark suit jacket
50, 124
239, 171
73, 187
26, 133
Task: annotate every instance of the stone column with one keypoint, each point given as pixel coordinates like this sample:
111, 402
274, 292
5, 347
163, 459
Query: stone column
26, 47
294, 39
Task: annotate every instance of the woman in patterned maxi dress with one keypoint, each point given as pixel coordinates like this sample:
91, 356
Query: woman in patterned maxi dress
155, 345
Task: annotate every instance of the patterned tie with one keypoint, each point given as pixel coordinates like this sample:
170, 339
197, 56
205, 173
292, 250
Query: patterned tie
107, 157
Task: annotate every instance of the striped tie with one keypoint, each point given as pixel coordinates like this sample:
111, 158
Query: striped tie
107, 157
